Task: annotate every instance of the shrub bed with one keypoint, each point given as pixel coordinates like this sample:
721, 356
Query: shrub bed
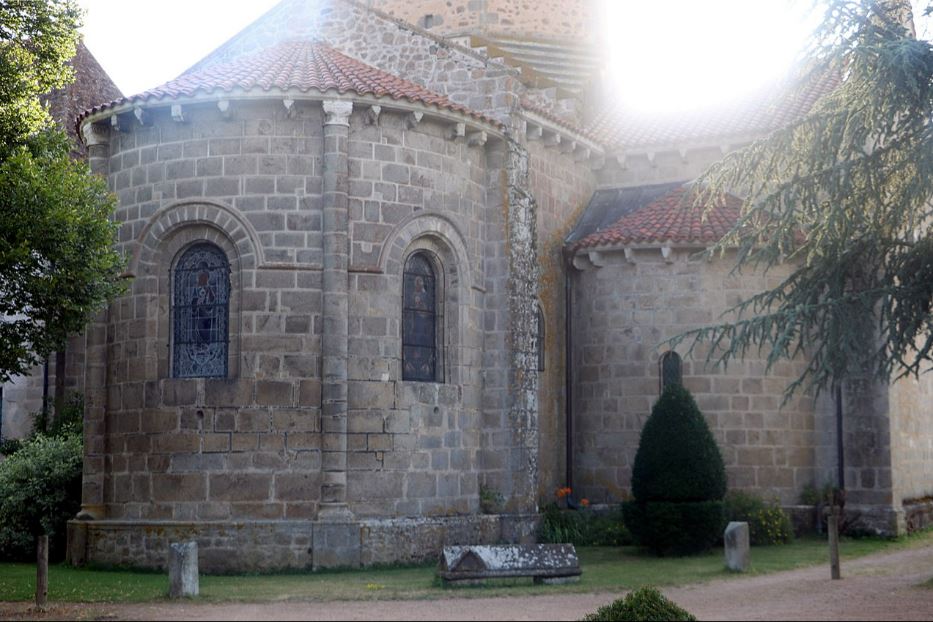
645, 603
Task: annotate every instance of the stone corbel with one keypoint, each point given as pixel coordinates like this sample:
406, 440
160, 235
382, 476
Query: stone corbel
667, 254
142, 116
115, 124
622, 161
534, 132
568, 147
476, 139
372, 115
683, 155
289, 107
457, 130
337, 112
95, 134
178, 114
552, 140
413, 119
651, 159
630, 254
226, 110
596, 258
581, 154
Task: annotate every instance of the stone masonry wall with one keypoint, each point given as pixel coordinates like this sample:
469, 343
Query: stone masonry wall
209, 449
562, 188
912, 438
250, 446
622, 312
414, 447
526, 19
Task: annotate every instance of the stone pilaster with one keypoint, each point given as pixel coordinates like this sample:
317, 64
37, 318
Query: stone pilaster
335, 297
523, 365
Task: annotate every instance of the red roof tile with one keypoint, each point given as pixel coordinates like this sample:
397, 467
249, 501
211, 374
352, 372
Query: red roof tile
671, 218
293, 66
766, 109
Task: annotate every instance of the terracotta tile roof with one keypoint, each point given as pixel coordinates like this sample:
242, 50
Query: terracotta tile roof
671, 218
766, 109
293, 66
559, 121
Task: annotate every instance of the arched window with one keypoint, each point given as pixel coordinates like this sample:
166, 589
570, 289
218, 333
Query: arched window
200, 313
541, 336
671, 369
420, 334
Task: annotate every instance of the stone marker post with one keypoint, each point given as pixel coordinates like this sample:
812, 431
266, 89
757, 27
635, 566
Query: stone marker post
737, 547
183, 569
42, 572
833, 528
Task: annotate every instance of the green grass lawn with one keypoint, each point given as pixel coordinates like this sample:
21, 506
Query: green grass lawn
603, 569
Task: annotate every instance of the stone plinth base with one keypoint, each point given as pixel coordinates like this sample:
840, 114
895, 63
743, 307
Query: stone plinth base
263, 546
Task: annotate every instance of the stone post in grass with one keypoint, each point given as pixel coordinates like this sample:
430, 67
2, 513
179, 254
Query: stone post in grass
183, 569
42, 572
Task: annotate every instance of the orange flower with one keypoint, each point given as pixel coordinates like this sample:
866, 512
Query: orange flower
563, 492
585, 503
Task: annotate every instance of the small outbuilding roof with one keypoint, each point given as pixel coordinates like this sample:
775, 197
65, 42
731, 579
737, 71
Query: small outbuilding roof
302, 66
671, 218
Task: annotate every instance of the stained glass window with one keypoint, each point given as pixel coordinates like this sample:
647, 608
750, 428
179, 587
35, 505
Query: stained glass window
419, 320
671, 369
200, 313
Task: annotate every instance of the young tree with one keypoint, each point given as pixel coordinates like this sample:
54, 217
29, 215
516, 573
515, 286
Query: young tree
57, 262
842, 194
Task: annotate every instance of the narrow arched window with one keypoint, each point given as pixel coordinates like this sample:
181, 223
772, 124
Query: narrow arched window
671, 369
200, 313
420, 336
541, 336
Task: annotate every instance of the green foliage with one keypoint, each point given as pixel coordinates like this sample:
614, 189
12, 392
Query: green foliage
843, 195
37, 38
40, 491
491, 500
9, 446
767, 522
645, 603
675, 528
582, 528
57, 262
68, 418
678, 480
677, 458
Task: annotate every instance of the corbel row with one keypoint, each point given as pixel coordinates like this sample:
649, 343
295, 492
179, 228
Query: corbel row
554, 139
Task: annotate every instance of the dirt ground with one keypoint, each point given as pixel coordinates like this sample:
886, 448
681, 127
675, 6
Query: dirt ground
880, 587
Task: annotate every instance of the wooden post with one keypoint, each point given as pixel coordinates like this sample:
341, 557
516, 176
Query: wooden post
42, 572
833, 529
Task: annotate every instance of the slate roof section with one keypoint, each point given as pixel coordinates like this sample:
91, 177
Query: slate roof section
671, 218
91, 86
291, 66
608, 205
768, 108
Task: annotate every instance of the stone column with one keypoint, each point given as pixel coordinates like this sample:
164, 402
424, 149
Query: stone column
336, 286
97, 138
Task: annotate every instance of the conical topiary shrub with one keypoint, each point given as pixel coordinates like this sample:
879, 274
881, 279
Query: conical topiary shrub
678, 481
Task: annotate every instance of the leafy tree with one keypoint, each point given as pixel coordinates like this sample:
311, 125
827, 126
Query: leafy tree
57, 262
844, 195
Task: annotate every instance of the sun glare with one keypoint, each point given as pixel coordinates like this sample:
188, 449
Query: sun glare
686, 54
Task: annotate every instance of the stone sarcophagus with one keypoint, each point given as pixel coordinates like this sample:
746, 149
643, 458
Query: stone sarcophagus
546, 563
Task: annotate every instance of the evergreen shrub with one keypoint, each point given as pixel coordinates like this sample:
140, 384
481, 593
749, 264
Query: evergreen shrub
678, 480
644, 604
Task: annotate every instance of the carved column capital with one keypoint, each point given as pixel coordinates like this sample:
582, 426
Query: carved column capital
337, 112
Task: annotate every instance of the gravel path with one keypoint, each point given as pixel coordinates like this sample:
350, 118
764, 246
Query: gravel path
880, 587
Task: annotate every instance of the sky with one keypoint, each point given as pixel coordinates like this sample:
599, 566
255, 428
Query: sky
664, 56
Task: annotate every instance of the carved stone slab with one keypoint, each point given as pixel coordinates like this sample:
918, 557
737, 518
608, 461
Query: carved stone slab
544, 562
